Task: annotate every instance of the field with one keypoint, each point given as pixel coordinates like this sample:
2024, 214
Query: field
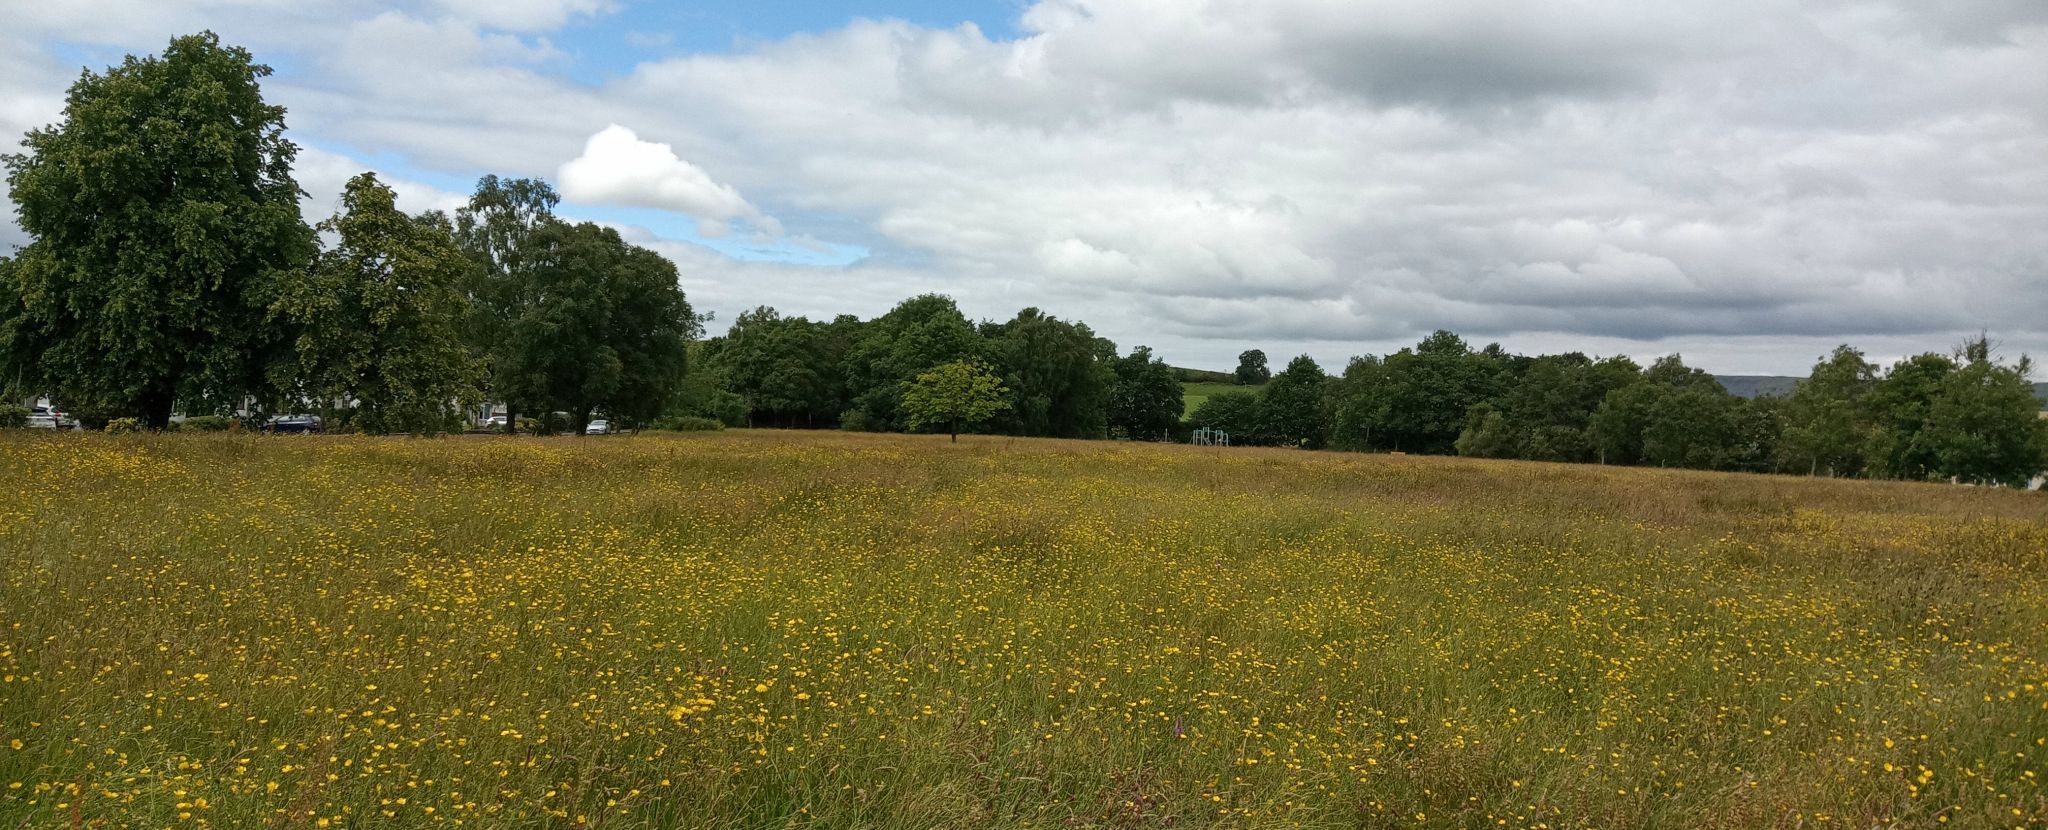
1193, 394
792, 630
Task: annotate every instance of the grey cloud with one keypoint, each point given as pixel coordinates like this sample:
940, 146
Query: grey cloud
1322, 175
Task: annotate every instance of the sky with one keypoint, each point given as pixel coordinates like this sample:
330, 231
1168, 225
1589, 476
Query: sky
1744, 182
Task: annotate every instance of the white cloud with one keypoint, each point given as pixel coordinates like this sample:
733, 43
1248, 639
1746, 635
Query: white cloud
620, 169
524, 15
1735, 180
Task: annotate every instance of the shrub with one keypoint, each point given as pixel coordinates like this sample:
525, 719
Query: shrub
123, 426
688, 423
13, 417
855, 420
205, 423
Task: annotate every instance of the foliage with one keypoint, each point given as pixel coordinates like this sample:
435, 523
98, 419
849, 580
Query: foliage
786, 371
1251, 368
597, 324
125, 426
1186, 375
380, 319
1145, 396
1984, 425
1425, 392
1237, 413
1486, 434
13, 416
919, 333
164, 222
1826, 419
1058, 373
687, 423
954, 395
1294, 405
496, 230
206, 423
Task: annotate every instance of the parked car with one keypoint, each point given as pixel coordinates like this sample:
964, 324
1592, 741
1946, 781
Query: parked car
598, 427
49, 417
293, 425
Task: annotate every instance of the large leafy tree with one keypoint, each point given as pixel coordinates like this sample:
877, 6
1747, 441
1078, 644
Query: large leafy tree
787, 369
1251, 368
1545, 411
1900, 445
1058, 373
379, 320
918, 334
496, 229
600, 325
1429, 389
1145, 401
165, 223
1827, 419
954, 395
1294, 405
1358, 404
1984, 425
1674, 416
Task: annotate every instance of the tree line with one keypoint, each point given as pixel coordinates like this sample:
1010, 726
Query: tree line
169, 270
1964, 416
1051, 377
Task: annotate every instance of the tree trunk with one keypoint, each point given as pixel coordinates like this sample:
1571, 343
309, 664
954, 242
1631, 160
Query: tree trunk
956, 430
582, 420
511, 419
156, 408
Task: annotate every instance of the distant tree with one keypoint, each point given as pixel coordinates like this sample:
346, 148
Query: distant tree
1546, 410
601, 325
954, 395
1358, 404
1145, 400
1486, 434
1899, 444
495, 229
1238, 413
1429, 389
1674, 416
918, 334
164, 222
783, 368
1294, 405
1827, 420
1251, 368
1058, 373
379, 316
1984, 425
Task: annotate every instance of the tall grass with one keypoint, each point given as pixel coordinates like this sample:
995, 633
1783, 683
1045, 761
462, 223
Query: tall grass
750, 629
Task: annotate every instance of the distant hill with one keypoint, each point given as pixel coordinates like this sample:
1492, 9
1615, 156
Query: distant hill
1757, 386
1751, 386
1204, 376
1742, 386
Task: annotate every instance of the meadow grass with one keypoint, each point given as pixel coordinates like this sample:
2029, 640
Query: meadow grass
776, 630
1193, 394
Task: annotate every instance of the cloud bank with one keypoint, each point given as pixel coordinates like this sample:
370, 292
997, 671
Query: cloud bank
1748, 181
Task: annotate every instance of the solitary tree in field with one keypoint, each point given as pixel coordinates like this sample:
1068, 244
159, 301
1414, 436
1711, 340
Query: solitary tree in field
1251, 368
165, 221
954, 395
